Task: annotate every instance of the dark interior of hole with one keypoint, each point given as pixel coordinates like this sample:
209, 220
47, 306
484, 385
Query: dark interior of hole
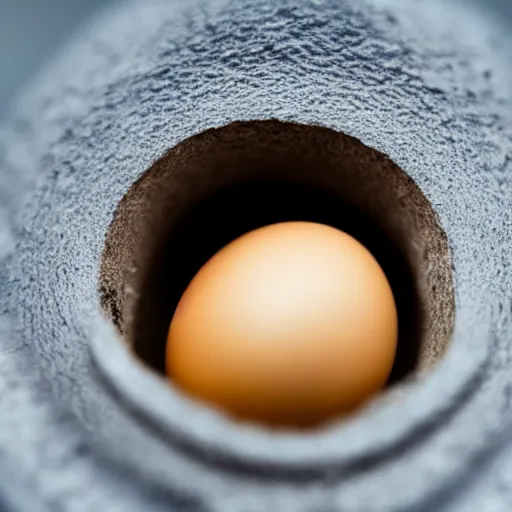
239, 209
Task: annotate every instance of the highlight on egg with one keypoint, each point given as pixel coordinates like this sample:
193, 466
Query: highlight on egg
289, 325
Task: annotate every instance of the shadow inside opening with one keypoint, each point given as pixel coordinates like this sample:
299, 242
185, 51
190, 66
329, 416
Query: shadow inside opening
241, 208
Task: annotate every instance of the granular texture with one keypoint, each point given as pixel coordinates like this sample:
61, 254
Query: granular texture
428, 85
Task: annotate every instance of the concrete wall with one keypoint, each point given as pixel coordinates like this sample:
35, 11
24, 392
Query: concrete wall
83, 425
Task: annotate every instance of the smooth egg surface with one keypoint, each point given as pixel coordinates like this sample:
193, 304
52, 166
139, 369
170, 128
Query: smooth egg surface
289, 325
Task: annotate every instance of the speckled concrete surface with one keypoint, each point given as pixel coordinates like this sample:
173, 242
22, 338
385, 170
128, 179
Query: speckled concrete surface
429, 85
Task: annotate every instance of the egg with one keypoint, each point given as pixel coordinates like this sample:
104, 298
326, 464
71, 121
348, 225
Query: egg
289, 325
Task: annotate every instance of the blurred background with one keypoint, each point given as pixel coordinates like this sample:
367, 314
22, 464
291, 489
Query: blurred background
30, 33
32, 30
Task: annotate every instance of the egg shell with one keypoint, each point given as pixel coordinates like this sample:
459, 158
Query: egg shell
290, 324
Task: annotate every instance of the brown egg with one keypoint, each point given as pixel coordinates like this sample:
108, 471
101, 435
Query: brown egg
290, 324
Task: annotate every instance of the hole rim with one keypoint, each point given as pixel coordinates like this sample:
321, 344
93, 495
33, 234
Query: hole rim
221, 427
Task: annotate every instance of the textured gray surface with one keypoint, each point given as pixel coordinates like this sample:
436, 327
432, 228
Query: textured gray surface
428, 85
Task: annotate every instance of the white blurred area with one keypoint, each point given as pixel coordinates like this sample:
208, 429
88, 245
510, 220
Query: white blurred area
30, 33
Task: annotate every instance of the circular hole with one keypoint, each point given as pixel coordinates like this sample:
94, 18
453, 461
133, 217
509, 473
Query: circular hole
224, 182
237, 210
